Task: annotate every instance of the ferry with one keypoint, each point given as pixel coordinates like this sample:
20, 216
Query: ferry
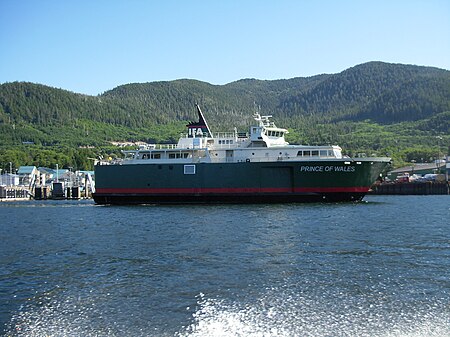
258, 166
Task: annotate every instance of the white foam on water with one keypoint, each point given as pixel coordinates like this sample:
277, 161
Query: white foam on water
52, 317
278, 312
279, 315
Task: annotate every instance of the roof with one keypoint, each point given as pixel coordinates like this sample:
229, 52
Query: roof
47, 170
418, 167
87, 172
26, 169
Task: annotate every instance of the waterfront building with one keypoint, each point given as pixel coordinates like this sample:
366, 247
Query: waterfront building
27, 175
9, 179
420, 169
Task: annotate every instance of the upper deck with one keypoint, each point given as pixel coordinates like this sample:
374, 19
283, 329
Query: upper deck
265, 142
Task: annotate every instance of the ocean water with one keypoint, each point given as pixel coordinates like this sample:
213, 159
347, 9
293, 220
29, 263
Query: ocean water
376, 268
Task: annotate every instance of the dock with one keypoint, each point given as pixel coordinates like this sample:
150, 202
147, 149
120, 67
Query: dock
11, 193
411, 188
56, 192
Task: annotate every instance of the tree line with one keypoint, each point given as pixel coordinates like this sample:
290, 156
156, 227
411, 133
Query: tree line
373, 107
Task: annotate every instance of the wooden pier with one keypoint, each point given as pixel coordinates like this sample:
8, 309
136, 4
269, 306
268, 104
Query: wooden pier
11, 193
14, 193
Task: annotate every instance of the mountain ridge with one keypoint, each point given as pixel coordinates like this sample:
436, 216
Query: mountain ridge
360, 92
395, 105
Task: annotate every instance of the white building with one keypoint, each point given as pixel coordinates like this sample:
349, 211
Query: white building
27, 175
9, 179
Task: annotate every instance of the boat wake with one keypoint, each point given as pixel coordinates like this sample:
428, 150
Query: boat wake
281, 314
277, 313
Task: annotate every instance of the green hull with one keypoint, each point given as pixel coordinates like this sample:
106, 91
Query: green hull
247, 182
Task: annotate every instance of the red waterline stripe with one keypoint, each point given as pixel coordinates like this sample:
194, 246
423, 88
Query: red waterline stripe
240, 190
358, 189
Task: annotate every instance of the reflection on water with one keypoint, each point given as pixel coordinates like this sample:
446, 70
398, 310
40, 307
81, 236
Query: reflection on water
378, 268
279, 312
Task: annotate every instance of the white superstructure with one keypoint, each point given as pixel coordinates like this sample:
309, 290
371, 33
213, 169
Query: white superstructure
265, 142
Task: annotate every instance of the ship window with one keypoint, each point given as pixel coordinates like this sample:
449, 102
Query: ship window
189, 169
315, 153
330, 153
307, 153
323, 153
299, 153
156, 155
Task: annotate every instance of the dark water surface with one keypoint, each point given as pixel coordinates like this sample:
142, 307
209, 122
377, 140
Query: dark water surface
377, 268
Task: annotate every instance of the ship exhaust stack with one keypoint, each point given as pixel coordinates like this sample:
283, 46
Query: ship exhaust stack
200, 128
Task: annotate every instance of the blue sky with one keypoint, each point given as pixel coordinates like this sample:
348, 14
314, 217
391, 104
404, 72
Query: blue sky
90, 46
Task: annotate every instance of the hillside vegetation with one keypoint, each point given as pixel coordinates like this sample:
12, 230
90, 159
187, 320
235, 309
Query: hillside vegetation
373, 108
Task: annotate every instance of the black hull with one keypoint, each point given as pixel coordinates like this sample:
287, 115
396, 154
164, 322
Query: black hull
227, 199
236, 183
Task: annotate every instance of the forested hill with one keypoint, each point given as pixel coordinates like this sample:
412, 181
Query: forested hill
320, 108
382, 92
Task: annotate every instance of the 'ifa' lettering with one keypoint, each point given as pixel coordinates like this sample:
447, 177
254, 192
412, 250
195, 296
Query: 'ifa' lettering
195, 132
